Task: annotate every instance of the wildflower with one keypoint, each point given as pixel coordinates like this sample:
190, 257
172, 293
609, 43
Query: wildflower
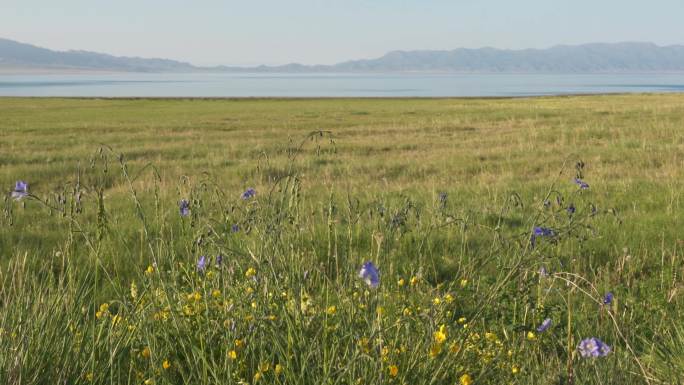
491, 336
608, 298
544, 325
571, 209
531, 336
219, 260
264, 367
89, 377
235, 228
102, 311
414, 281
239, 344
393, 370
149, 270
146, 352
582, 185
249, 193
251, 272
440, 335
380, 311
370, 274
593, 347
166, 364
435, 350
278, 369
216, 293
462, 320
184, 208
515, 369
331, 310
407, 312
542, 272
448, 298
454, 348
401, 282
232, 355
436, 301
202, 264
271, 317
20, 190
465, 379
257, 376
543, 232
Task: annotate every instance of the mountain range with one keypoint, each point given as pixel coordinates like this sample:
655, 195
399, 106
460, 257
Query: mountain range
586, 58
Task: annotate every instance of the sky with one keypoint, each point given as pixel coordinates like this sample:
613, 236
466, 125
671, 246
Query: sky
272, 32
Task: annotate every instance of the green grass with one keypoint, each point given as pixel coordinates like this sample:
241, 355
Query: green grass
340, 182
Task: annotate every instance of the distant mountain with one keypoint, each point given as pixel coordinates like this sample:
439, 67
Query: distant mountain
15, 55
587, 58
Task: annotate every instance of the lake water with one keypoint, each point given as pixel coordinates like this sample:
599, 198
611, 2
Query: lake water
329, 85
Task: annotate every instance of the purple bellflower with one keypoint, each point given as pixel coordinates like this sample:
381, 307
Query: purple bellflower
184, 208
20, 190
370, 274
249, 193
593, 347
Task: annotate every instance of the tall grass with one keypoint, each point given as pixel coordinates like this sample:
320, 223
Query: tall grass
102, 279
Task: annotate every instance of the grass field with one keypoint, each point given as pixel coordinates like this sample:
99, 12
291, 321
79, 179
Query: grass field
102, 280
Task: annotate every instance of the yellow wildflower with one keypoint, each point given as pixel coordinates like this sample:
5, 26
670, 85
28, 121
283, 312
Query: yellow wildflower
251, 272
264, 367
414, 281
435, 349
393, 370
401, 282
239, 344
491, 336
149, 270
257, 376
149, 381
448, 298
454, 348
465, 379
216, 293
531, 336
380, 311
436, 301
166, 364
462, 320
407, 312
440, 335
278, 369
146, 352
232, 355
89, 377
515, 369
331, 310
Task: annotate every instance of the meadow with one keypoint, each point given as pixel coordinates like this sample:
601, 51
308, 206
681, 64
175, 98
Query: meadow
219, 241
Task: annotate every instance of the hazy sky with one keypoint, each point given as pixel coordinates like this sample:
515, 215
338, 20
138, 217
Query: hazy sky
208, 32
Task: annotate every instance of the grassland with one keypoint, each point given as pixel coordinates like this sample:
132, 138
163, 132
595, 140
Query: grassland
99, 276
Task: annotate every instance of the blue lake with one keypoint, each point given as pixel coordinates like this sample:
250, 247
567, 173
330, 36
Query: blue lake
331, 85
